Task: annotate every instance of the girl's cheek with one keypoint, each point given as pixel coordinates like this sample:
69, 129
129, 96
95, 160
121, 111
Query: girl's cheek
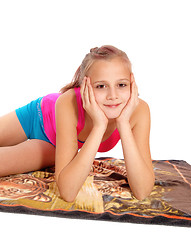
128, 96
97, 96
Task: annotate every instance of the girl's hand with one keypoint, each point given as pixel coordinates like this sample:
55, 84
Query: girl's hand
132, 103
90, 105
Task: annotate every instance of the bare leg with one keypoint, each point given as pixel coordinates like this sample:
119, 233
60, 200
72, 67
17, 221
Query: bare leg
17, 155
11, 131
28, 156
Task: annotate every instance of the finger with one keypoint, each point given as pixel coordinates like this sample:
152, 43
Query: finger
137, 94
82, 87
132, 96
132, 78
135, 85
82, 91
134, 93
91, 93
86, 93
132, 89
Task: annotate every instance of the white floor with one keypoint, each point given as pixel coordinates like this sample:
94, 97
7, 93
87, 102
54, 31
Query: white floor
20, 226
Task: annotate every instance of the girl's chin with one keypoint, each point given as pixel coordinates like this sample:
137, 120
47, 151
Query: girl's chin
112, 115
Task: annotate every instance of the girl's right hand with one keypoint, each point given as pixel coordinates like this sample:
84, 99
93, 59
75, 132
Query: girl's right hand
90, 105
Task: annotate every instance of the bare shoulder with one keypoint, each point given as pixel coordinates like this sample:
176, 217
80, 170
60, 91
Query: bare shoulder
68, 96
68, 101
143, 107
141, 113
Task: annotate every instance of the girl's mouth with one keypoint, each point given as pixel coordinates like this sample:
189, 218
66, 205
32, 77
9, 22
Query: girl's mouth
112, 106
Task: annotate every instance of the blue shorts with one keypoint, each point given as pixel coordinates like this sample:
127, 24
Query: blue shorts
31, 120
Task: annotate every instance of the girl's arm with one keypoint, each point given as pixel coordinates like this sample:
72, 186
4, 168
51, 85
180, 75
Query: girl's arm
73, 167
135, 144
136, 151
73, 176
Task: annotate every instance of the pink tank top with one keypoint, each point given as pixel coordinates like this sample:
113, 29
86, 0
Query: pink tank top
48, 112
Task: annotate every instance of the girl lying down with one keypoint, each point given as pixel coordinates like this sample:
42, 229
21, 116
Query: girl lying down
92, 113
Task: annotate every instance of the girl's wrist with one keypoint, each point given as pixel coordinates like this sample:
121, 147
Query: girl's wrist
100, 125
100, 128
120, 125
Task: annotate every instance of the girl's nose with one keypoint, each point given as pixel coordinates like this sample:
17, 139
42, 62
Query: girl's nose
111, 94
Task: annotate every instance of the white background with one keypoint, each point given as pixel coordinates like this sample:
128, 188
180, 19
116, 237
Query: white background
42, 43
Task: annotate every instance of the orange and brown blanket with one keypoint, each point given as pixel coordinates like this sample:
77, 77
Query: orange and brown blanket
105, 195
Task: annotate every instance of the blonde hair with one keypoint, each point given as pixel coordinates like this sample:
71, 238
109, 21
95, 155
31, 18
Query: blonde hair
105, 52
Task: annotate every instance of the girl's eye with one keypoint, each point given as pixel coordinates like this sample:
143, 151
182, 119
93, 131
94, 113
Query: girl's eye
103, 86
123, 85
100, 86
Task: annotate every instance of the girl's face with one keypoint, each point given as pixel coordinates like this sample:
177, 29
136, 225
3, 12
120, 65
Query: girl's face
111, 85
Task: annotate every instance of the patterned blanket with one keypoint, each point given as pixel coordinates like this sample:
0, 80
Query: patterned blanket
105, 194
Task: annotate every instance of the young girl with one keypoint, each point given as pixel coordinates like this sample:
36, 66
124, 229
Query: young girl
93, 112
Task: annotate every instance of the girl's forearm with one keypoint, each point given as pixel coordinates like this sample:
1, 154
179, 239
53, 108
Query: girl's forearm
140, 176
72, 177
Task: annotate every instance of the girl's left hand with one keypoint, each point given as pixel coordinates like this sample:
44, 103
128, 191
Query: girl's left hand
132, 103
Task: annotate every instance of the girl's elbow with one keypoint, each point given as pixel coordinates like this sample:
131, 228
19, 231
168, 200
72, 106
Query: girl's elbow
141, 197
144, 193
66, 194
68, 198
